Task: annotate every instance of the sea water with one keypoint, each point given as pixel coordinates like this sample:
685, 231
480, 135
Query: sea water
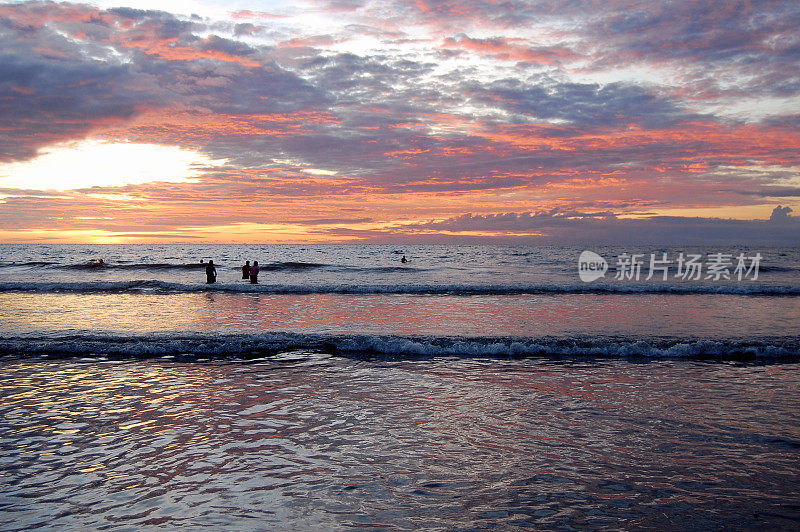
451, 300
470, 387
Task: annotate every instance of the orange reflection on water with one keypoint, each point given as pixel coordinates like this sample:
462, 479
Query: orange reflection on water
520, 315
125, 407
169, 442
99, 312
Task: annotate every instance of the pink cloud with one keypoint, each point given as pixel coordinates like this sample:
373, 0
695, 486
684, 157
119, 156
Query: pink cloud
509, 50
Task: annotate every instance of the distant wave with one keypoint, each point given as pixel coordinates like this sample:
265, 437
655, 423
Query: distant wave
97, 265
32, 263
249, 346
301, 266
287, 266
155, 286
768, 268
93, 265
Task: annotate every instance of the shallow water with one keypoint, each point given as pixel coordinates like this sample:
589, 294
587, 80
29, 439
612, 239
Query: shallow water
299, 441
458, 391
521, 315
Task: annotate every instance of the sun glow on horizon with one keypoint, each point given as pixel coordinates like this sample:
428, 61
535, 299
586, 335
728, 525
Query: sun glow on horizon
91, 163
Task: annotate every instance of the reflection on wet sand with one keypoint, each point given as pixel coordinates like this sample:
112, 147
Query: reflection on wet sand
312, 441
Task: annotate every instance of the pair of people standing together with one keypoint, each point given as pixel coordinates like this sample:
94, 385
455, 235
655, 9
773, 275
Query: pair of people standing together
250, 272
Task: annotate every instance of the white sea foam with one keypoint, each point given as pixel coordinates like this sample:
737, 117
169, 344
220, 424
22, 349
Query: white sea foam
248, 346
156, 286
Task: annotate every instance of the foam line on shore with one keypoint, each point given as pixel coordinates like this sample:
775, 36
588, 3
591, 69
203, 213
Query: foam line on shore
244, 346
155, 286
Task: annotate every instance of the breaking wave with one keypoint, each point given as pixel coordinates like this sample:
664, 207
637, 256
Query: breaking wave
155, 286
159, 266
249, 346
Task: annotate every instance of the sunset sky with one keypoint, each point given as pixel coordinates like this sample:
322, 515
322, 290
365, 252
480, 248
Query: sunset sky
400, 121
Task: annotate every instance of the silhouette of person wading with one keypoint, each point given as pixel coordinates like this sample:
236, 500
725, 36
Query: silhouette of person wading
254, 269
246, 270
211, 273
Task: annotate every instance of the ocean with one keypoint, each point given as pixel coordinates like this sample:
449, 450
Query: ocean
470, 387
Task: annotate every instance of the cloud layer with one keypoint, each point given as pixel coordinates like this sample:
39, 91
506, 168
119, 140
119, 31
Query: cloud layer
386, 120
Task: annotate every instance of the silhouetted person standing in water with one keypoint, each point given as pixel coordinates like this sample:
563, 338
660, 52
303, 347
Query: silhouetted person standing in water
254, 269
246, 270
211, 273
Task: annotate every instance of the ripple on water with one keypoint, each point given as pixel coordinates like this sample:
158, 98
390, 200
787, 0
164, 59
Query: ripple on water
312, 441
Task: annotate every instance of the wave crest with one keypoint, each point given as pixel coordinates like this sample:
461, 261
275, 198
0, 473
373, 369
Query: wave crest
155, 286
247, 346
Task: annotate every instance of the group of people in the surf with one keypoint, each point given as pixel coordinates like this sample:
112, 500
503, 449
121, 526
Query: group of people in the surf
248, 272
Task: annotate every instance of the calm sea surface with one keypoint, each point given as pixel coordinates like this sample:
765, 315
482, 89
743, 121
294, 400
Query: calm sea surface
469, 388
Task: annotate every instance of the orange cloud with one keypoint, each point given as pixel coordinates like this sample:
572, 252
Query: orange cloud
737, 144
181, 127
170, 50
407, 153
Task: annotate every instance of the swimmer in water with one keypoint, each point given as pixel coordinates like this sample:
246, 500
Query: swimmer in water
254, 269
211, 273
